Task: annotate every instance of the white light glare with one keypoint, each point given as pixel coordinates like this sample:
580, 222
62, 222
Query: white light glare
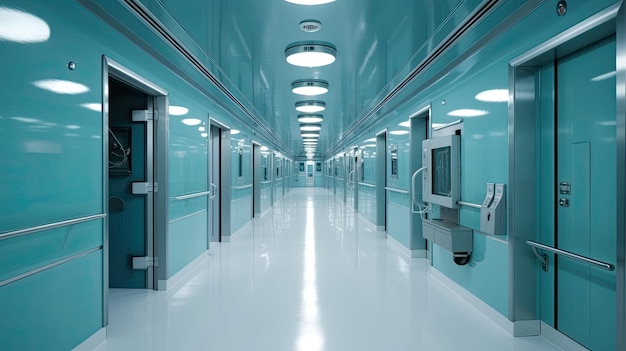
178, 110
493, 95
405, 124
61, 86
191, 121
234, 131
399, 132
467, 113
92, 106
22, 27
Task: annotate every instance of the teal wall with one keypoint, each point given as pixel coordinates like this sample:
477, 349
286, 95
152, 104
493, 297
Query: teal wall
54, 171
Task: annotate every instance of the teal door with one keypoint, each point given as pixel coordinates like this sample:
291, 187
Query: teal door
585, 199
127, 164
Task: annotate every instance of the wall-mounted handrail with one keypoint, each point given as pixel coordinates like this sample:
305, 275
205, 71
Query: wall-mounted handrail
31, 230
571, 255
468, 204
350, 183
367, 185
242, 187
396, 190
266, 182
191, 196
413, 202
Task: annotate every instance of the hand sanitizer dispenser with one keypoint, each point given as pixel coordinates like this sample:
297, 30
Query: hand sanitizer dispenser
492, 211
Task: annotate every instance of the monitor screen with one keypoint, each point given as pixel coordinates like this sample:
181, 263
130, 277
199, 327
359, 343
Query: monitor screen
441, 178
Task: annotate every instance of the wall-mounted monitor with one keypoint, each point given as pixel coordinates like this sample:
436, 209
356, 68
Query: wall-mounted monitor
441, 181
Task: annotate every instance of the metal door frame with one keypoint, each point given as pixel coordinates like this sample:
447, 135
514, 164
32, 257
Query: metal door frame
381, 180
523, 300
422, 116
157, 158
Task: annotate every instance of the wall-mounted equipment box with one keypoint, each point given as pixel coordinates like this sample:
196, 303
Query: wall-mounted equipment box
450, 236
442, 181
493, 211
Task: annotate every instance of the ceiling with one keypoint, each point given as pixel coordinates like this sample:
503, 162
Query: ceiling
375, 42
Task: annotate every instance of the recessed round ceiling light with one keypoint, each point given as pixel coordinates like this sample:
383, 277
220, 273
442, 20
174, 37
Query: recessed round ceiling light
308, 139
310, 127
309, 87
310, 53
310, 135
310, 106
309, 2
310, 118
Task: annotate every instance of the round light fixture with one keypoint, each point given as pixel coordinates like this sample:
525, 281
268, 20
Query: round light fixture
309, 2
310, 118
309, 139
310, 135
310, 53
309, 87
310, 127
310, 106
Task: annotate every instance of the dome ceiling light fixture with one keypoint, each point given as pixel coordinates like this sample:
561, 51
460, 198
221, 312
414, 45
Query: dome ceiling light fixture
309, 2
310, 135
310, 53
309, 87
310, 118
310, 106
310, 127
309, 139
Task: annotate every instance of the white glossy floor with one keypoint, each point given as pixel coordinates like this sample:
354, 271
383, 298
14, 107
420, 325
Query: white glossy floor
308, 276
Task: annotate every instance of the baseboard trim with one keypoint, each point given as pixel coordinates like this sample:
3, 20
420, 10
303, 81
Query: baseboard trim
488, 311
238, 233
559, 339
93, 341
403, 250
367, 222
177, 278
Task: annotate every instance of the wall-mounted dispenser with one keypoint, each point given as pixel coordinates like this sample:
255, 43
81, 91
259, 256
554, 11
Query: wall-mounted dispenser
493, 211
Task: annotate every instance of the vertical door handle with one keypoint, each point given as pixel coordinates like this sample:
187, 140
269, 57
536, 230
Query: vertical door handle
213, 190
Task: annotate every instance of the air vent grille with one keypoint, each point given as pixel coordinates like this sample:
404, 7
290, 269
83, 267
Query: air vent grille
310, 26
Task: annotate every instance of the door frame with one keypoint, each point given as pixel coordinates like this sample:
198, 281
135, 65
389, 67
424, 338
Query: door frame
381, 180
223, 188
156, 244
419, 128
523, 139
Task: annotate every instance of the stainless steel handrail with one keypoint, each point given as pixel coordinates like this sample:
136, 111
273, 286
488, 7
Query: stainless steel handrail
573, 256
468, 204
55, 225
242, 187
412, 188
367, 185
266, 182
191, 196
396, 190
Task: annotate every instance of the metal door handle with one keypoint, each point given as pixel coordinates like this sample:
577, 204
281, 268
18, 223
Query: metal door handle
213, 190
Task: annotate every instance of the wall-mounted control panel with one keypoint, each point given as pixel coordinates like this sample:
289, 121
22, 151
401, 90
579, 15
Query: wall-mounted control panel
493, 210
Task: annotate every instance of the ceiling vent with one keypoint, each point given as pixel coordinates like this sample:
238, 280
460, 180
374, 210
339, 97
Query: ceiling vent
310, 26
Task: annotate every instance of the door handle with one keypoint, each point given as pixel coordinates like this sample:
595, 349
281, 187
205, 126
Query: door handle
213, 190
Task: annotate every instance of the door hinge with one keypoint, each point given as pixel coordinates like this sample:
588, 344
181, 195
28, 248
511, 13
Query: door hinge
145, 262
143, 188
143, 115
